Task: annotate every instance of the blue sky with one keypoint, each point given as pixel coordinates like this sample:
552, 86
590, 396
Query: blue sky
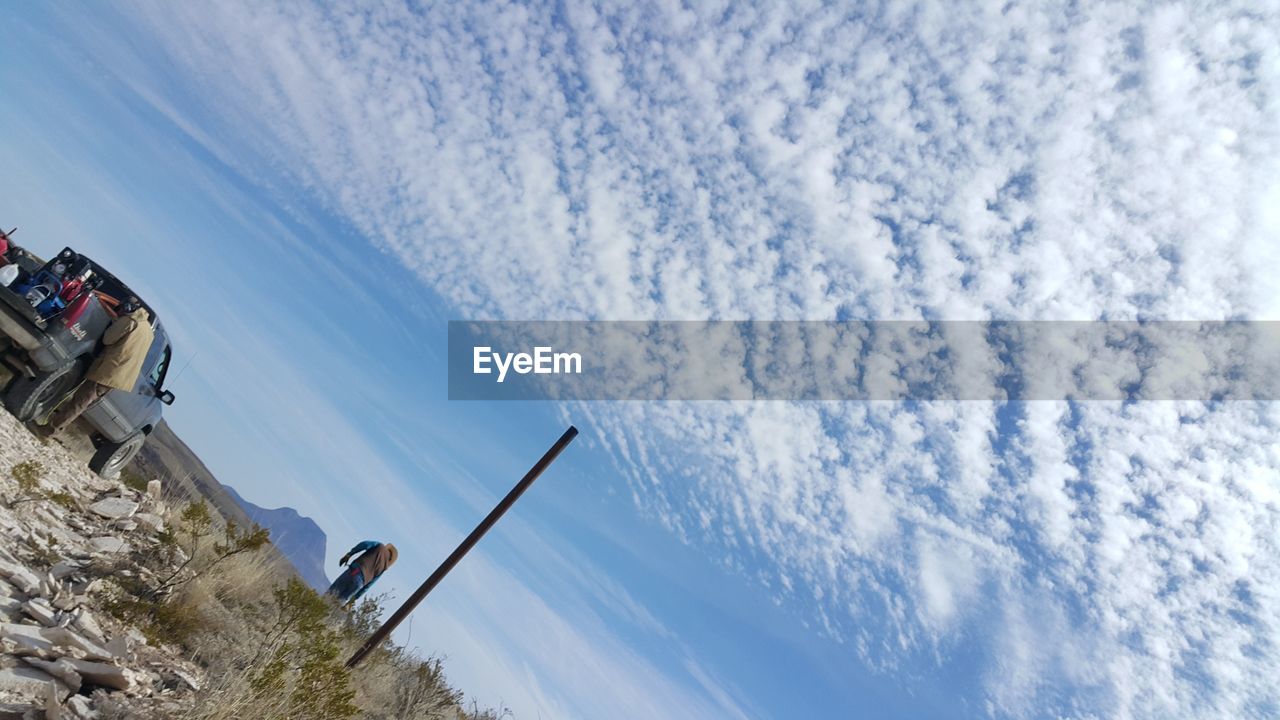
308, 195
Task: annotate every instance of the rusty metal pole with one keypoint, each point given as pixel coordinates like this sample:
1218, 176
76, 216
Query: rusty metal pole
381, 633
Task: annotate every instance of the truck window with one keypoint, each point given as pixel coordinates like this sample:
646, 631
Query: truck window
157, 373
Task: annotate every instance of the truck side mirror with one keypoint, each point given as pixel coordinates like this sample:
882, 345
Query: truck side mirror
166, 397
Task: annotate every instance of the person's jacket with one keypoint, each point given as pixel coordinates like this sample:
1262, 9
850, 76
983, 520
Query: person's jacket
374, 561
124, 348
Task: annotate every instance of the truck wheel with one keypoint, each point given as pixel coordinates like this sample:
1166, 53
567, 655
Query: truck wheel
111, 458
31, 398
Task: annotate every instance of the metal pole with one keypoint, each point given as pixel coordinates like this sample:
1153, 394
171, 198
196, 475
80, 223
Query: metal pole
381, 633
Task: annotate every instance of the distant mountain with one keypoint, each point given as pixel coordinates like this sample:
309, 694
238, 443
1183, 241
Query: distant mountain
295, 540
297, 536
182, 474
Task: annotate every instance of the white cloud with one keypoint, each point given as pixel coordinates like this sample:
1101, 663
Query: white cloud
985, 160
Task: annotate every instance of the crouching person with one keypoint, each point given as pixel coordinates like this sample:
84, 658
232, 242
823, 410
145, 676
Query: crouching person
374, 559
116, 367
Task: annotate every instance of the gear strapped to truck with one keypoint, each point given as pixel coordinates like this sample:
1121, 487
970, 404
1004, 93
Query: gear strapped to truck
60, 329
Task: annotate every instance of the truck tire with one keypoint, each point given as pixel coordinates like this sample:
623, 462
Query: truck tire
111, 458
31, 398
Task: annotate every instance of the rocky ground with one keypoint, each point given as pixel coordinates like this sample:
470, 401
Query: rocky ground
115, 607
66, 536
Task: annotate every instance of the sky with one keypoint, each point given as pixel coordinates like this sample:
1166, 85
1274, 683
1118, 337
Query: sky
307, 194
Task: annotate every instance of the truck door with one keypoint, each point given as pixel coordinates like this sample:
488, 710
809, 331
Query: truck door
121, 413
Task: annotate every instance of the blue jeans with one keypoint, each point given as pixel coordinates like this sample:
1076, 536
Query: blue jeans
347, 584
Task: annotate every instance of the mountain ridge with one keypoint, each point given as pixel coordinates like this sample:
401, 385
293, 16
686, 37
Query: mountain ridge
295, 538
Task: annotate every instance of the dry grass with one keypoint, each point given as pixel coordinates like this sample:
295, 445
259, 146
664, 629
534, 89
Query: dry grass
413, 688
233, 697
274, 649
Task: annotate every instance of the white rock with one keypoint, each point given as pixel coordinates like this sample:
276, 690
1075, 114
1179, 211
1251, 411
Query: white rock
14, 711
67, 601
29, 639
119, 647
69, 639
98, 673
87, 624
126, 525
154, 523
10, 609
40, 611
21, 578
153, 489
52, 708
187, 678
60, 539
81, 708
135, 636
109, 544
28, 681
51, 514
43, 641
99, 485
63, 569
114, 508
61, 669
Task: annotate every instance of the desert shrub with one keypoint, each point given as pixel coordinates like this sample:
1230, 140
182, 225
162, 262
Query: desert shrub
44, 554
27, 475
284, 659
163, 612
196, 522
65, 499
162, 622
364, 618
302, 655
405, 686
295, 669
393, 682
172, 620
245, 580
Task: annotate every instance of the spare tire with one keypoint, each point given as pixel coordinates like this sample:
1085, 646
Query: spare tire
111, 457
30, 398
